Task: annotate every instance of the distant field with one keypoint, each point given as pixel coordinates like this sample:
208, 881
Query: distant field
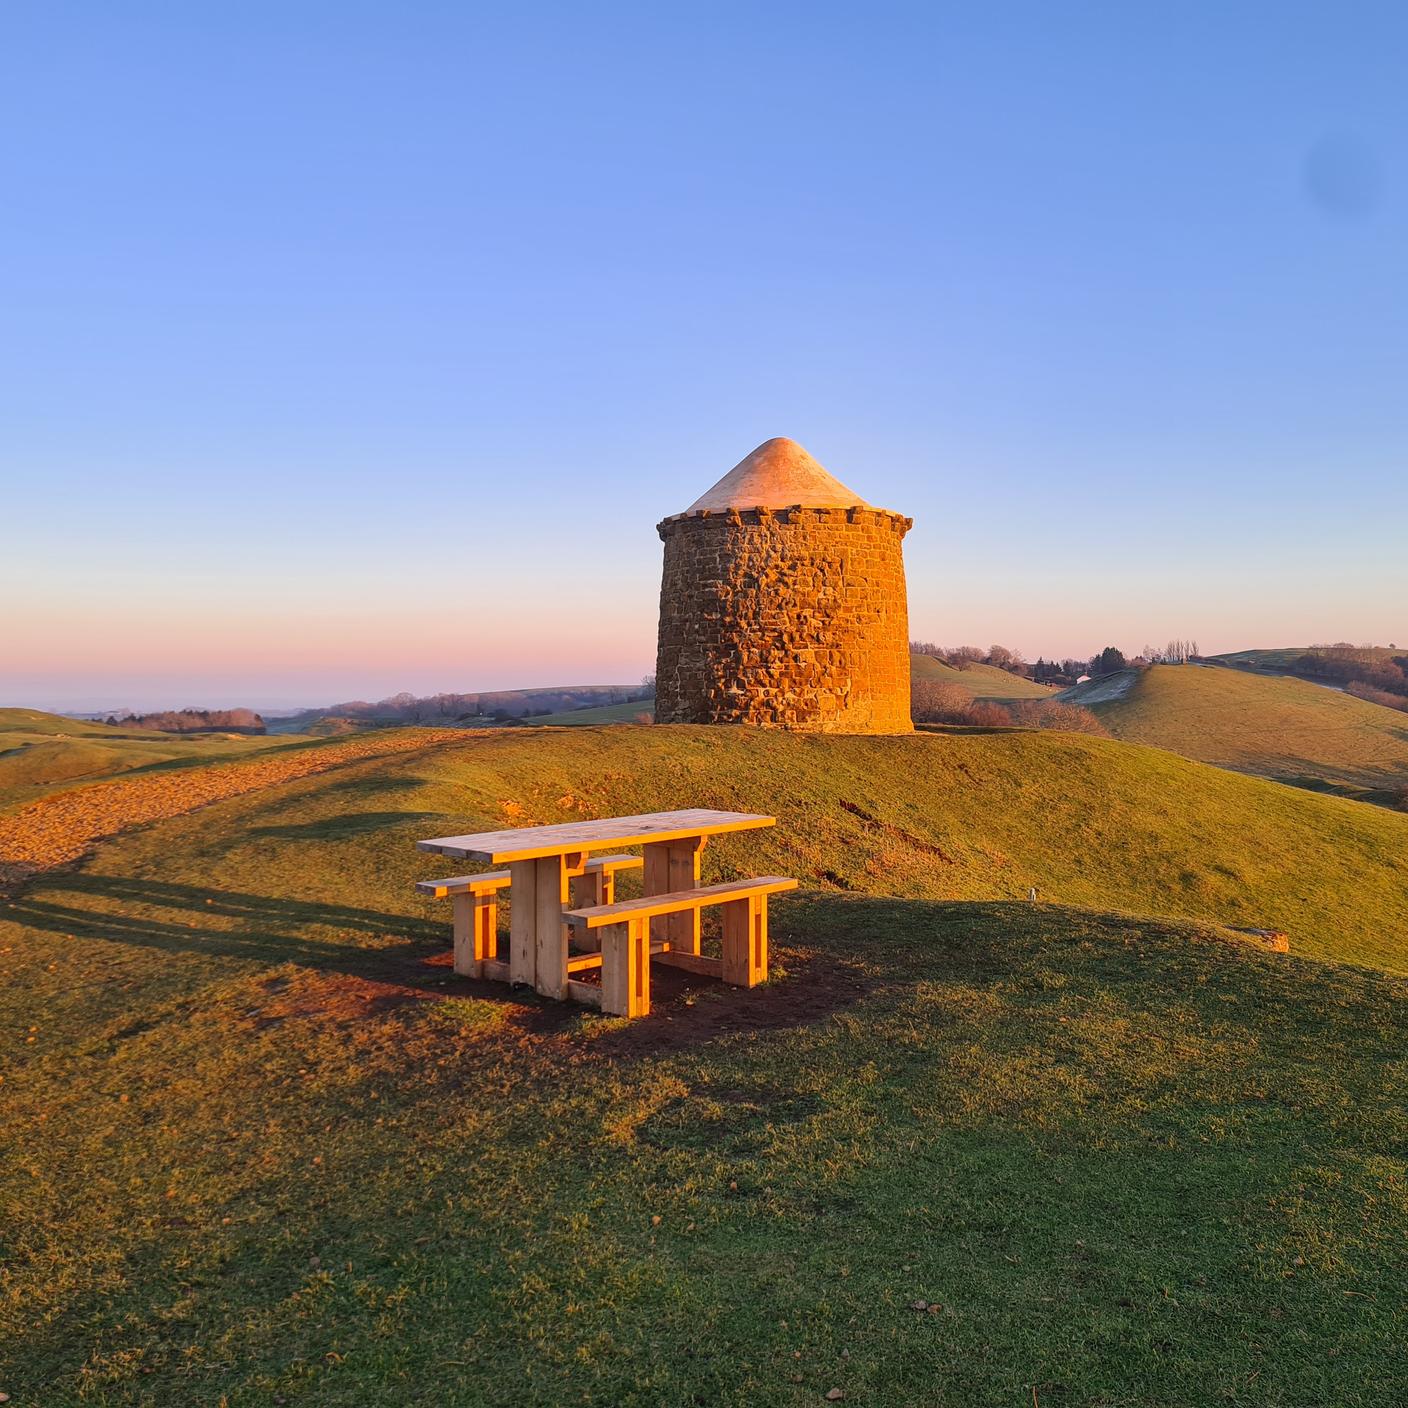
983, 682
40, 752
1273, 726
1284, 657
600, 714
962, 1149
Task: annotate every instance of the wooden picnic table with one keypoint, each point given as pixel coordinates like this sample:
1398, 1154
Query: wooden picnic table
542, 861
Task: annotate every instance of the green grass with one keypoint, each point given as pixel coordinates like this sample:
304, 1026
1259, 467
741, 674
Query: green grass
627, 713
1275, 727
983, 682
36, 723
41, 753
263, 1145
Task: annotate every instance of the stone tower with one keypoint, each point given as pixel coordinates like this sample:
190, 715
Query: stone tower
783, 604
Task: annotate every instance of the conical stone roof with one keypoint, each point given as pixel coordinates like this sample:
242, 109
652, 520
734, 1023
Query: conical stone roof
778, 474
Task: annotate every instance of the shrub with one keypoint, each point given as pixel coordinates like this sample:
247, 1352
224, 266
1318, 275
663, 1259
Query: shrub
935, 702
1054, 713
1377, 696
984, 713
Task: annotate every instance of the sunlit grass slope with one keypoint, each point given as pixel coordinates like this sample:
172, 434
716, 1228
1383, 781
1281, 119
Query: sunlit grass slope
1086, 821
262, 1145
981, 681
42, 752
1274, 726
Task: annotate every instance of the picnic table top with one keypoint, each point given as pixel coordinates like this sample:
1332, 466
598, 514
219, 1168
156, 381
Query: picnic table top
536, 842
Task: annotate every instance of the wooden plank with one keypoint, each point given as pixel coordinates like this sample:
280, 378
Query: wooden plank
464, 884
611, 864
495, 971
597, 884
533, 842
583, 963
585, 993
593, 887
650, 905
523, 924
694, 963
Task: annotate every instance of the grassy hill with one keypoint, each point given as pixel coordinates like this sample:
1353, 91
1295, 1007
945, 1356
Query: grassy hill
1284, 657
599, 714
264, 1145
1273, 726
983, 682
40, 752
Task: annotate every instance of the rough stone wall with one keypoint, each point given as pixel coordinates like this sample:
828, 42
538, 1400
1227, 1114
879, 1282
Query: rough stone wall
785, 618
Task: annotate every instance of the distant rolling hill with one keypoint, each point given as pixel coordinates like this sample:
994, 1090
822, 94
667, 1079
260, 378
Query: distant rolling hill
1283, 658
40, 752
627, 713
560, 709
983, 682
1272, 725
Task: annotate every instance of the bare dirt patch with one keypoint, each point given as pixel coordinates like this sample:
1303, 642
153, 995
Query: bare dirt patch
60, 829
337, 999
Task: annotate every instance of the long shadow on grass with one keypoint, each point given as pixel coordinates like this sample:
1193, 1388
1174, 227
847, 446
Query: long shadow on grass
338, 828
266, 928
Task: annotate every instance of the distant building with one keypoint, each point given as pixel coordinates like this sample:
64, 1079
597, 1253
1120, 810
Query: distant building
783, 603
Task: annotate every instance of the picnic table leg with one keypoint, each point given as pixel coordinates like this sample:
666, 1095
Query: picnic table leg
476, 920
671, 866
592, 888
523, 923
625, 969
551, 886
745, 941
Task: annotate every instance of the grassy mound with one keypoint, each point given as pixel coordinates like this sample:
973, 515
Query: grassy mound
1086, 821
1274, 726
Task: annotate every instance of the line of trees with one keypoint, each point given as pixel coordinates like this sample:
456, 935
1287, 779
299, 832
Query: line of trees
195, 721
1176, 652
1358, 668
1057, 672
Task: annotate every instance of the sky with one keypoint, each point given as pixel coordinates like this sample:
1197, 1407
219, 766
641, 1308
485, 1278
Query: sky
351, 347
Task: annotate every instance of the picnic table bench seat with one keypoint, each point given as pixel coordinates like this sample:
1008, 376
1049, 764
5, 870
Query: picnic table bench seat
626, 947
475, 906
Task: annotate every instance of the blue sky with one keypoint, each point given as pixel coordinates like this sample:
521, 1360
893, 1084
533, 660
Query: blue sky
347, 348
